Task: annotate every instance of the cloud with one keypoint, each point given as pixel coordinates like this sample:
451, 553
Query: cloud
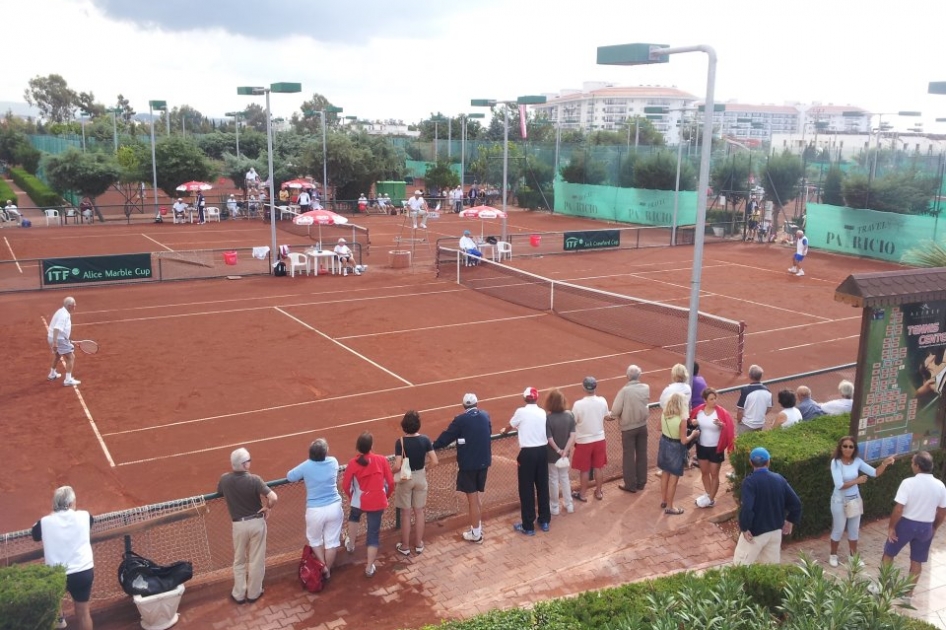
322, 20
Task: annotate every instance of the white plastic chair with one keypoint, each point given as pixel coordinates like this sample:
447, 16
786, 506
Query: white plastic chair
503, 248
297, 261
212, 213
51, 214
285, 211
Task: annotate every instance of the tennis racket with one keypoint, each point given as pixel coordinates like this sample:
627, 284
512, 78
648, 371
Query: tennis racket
87, 346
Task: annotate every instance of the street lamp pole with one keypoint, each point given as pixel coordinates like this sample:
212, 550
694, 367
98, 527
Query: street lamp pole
115, 113
639, 54
236, 123
155, 105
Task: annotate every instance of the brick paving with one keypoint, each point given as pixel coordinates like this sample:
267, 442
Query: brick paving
623, 538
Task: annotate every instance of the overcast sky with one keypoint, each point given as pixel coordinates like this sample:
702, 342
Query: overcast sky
382, 59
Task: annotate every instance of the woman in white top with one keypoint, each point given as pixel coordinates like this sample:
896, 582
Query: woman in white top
679, 384
790, 414
848, 471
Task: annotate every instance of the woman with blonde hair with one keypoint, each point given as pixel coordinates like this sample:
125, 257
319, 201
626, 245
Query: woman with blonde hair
679, 384
560, 427
671, 452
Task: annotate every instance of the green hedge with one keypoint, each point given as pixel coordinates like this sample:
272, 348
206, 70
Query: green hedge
30, 596
7, 193
802, 454
39, 192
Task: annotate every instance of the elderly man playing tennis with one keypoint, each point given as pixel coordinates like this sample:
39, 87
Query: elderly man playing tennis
58, 337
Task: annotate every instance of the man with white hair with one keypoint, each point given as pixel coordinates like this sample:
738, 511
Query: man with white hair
244, 493
58, 336
809, 409
179, 208
801, 250
842, 404
630, 407
13, 213
755, 400
418, 209
345, 258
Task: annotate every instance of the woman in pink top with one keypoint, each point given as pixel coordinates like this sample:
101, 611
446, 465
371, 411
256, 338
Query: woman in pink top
369, 484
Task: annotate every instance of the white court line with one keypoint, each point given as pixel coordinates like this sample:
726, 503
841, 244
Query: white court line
442, 326
797, 326
12, 254
344, 347
88, 414
817, 343
157, 242
769, 269
382, 391
272, 438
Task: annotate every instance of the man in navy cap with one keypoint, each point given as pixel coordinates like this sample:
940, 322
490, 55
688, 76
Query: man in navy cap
769, 510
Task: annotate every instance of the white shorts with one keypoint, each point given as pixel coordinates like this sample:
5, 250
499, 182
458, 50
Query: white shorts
63, 346
323, 525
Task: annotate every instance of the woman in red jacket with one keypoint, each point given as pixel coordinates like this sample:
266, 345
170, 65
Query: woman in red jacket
717, 435
369, 484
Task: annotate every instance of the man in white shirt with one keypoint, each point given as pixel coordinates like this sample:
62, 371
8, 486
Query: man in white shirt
305, 201
533, 471
58, 336
13, 213
801, 250
919, 510
179, 208
843, 404
468, 245
755, 400
232, 207
418, 209
362, 203
590, 449
458, 199
345, 257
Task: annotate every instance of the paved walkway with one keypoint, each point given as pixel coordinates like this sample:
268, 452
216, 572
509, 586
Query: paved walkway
624, 538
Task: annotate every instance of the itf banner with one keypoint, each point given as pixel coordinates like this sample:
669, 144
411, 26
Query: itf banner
881, 235
59, 271
625, 205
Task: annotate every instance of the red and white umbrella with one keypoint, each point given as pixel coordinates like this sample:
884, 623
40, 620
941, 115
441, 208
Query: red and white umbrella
319, 217
194, 186
483, 212
298, 183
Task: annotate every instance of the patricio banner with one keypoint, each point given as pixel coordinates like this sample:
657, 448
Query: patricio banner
881, 235
625, 205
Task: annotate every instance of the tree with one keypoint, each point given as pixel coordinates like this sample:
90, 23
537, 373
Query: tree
89, 174
310, 121
780, 178
236, 168
53, 97
254, 117
833, 182
659, 172
355, 162
731, 176
643, 131
441, 175
904, 193
178, 160
28, 157
581, 169
214, 145
85, 101
10, 139
127, 112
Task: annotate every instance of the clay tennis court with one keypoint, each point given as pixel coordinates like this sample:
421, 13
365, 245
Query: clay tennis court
190, 370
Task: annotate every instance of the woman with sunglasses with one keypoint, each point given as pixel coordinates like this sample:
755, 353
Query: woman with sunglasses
848, 471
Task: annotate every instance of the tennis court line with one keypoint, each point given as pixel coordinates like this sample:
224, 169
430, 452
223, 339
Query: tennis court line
157, 242
775, 271
88, 414
12, 254
797, 326
443, 326
384, 391
817, 343
344, 347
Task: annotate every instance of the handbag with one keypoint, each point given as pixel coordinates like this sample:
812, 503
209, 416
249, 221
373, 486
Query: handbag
562, 462
853, 508
139, 576
405, 474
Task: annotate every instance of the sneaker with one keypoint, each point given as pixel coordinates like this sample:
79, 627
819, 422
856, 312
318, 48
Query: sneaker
71, 382
371, 570
555, 512
833, 560
469, 536
570, 509
544, 527
705, 502
52, 376
701, 498
793, 270
801, 272
401, 549
522, 530
61, 622
349, 544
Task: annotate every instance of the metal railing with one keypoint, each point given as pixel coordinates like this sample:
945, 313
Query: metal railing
198, 529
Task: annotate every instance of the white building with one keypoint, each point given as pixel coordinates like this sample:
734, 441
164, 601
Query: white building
848, 145
388, 128
603, 106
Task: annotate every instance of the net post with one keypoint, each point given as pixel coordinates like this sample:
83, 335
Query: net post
740, 347
459, 262
552, 296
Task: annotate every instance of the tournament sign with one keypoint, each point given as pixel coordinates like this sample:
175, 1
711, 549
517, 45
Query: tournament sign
60, 271
902, 379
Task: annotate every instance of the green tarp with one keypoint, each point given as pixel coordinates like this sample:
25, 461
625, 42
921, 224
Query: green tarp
625, 205
880, 235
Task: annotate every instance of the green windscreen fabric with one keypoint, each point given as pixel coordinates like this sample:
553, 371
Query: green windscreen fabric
880, 235
625, 205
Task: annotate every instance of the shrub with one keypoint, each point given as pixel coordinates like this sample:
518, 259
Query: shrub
30, 596
7, 193
39, 192
27, 157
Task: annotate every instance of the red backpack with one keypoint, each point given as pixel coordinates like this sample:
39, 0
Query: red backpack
310, 571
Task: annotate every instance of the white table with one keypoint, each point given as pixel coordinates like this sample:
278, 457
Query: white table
326, 254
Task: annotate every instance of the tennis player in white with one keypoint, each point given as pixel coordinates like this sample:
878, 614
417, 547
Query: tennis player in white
58, 337
801, 250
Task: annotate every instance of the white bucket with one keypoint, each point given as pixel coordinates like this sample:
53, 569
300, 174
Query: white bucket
159, 612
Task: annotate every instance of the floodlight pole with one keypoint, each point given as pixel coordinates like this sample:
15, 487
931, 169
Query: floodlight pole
272, 179
505, 162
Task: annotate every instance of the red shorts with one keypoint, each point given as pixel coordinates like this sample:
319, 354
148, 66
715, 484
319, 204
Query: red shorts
588, 456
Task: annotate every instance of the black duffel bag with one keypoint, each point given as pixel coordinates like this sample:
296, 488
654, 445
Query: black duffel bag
140, 576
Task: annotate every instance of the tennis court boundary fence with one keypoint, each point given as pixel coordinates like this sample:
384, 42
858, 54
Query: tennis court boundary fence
720, 341
199, 528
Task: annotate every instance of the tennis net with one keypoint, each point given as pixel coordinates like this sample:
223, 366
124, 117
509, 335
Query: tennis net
720, 341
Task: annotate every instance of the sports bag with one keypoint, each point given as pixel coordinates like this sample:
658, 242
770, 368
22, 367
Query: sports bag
279, 269
310, 571
406, 473
139, 576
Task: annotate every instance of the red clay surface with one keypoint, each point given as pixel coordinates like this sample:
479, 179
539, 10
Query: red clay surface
190, 370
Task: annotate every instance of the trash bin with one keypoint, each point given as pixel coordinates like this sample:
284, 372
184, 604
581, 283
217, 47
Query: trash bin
535, 240
230, 258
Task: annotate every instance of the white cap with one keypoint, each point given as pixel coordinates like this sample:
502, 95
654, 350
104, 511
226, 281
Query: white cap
469, 400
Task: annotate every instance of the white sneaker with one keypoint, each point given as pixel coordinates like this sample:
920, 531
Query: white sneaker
793, 270
705, 502
71, 382
423, 227
570, 508
833, 560
873, 588
469, 536
801, 272
349, 544
860, 564
60, 623
52, 376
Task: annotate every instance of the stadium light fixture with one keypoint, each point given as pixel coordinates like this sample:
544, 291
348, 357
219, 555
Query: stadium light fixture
521, 100
152, 106
642, 54
329, 109
236, 123
937, 87
278, 88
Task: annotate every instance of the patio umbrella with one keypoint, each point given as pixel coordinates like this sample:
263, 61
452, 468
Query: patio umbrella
298, 183
320, 217
194, 186
482, 213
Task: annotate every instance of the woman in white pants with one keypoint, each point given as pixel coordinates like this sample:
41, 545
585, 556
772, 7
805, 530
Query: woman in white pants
560, 429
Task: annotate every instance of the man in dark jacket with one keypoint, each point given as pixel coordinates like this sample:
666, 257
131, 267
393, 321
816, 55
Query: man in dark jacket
769, 510
471, 430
